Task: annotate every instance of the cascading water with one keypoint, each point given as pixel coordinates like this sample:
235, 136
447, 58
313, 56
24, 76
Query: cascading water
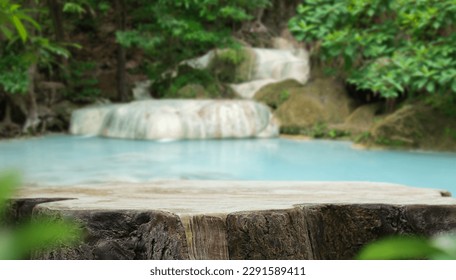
176, 119
200, 119
272, 66
267, 66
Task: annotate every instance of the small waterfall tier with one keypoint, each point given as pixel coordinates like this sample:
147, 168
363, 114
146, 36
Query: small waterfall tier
263, 67
176, 119
272, 66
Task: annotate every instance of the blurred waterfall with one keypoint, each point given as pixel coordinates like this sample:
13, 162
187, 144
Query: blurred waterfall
176, 119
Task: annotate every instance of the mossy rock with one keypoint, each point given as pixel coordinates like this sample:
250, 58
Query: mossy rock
320, 101
416, 126
276, 94
192, 91
361, 120
301, 110
406, 125
233, 65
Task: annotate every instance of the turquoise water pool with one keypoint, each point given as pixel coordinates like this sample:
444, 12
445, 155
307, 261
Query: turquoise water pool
67, 160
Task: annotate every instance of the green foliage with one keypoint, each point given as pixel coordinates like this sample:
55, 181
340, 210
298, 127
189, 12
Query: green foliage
442, 247
392, 143
12, 16
14, 77
8, 183
445, 103
41, 233
83, 85
321, 130
16, 56
231, 56
390, 47
16, 59
170, 87
225, 64
81, 7
73, 8
284, 95
175, 31
362, 137
335, 133
318, 130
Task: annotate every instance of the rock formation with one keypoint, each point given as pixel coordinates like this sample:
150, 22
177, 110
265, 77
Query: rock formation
320, 101
416, 126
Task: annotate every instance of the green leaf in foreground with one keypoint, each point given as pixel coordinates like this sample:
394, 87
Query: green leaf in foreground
8, 184
38, 235
41, 233
399, 248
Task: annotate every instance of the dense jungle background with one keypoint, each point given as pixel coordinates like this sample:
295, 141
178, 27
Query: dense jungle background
383, 72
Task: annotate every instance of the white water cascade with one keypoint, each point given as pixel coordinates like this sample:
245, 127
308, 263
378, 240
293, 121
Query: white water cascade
272, 66
176, 119
267, 66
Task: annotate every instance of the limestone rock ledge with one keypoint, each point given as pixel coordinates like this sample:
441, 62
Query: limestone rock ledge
236, 220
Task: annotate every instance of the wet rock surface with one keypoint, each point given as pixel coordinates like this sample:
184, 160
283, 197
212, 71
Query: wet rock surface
236, 220
416, 126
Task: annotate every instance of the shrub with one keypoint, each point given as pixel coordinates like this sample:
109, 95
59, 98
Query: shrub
389, 47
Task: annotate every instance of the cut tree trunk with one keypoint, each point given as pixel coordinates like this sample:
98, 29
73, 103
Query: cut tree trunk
210, 220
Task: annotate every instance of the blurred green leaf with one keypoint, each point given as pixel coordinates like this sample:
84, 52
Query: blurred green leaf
439, 247
41, 233
399, 248
8, 184
20, 27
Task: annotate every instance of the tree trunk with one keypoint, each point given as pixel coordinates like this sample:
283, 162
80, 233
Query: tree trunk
55, 9
121, 23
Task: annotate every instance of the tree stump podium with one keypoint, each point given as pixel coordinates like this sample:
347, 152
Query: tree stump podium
237, 220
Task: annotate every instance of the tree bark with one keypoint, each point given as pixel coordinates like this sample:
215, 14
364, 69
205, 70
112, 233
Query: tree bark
121, 22
55, 9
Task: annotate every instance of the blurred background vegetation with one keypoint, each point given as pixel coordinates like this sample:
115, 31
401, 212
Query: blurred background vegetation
392, 48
